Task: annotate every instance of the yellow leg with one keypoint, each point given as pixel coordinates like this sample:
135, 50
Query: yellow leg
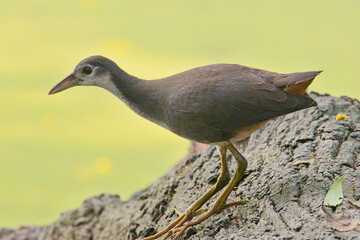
191, 211
220, 203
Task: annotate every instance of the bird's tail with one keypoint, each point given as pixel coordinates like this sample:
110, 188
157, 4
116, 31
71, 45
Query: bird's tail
298, 82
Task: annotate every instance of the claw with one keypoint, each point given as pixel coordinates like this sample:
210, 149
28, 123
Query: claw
168, 229
236, 203
177, 212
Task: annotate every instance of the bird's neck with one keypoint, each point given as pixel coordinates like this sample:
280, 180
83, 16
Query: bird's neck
142, 96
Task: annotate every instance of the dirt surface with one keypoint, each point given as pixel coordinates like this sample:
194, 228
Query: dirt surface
293, 160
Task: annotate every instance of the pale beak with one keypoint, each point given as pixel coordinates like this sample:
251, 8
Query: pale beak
68, 82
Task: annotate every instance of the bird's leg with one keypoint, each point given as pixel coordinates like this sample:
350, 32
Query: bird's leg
192, 211
220, 203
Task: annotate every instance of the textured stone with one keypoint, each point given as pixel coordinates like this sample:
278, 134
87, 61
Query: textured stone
284, 199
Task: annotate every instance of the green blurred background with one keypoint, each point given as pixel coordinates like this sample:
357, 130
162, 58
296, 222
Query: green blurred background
55, 151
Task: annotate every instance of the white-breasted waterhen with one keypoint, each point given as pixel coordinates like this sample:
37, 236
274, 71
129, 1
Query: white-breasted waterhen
216, 104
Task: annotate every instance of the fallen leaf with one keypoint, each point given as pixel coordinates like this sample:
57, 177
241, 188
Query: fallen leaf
355, 204
335, 196
341, 221
307, 162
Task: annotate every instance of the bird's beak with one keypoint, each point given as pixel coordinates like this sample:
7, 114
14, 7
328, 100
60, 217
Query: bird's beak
68, 82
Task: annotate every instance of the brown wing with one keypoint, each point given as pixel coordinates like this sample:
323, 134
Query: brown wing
214, 111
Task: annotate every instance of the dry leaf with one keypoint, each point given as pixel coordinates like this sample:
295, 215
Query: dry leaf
341, 221
355, 204
307, 162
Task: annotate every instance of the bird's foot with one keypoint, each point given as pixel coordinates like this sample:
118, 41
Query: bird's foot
215, 210
176, 224
179, 226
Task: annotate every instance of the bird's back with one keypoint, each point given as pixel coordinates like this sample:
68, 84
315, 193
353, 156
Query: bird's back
213, 103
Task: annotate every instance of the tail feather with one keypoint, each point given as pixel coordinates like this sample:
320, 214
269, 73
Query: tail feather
301, 77
293, 83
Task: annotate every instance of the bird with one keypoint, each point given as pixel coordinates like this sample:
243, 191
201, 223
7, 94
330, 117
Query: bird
218, 104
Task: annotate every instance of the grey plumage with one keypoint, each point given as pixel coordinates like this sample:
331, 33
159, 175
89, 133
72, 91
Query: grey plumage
208, 104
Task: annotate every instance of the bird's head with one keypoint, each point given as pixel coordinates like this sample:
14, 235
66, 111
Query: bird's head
92, 71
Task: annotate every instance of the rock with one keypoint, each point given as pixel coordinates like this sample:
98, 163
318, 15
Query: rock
293, 160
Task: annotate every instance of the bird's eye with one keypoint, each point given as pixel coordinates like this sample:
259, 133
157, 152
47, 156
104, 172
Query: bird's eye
87, 70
